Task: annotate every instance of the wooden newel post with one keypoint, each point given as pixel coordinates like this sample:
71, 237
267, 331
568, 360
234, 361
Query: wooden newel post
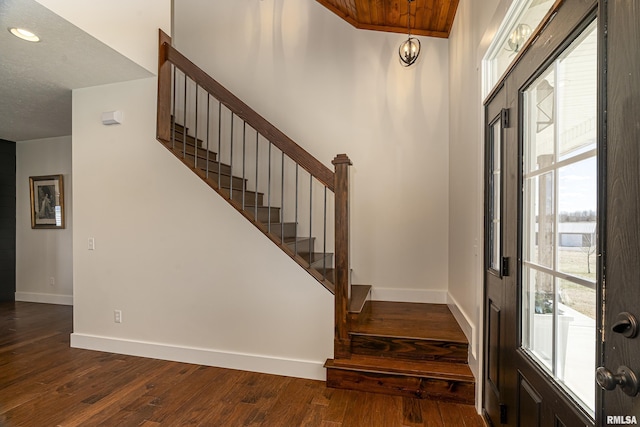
163, 119
342, 343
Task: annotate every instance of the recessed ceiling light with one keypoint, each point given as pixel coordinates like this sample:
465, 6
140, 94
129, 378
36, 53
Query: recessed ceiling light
24, 34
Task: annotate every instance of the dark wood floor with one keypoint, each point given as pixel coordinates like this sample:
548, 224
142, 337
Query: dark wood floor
44, 382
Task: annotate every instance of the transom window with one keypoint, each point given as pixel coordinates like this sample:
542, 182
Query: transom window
521, 20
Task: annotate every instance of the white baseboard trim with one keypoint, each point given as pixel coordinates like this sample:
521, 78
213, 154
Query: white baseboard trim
469, 329
200, 356
465, 322
44, 298
409, 295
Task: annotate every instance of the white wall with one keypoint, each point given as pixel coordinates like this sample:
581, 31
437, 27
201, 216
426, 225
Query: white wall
468, 42
42, 254
335, 89
128, 26
195, 280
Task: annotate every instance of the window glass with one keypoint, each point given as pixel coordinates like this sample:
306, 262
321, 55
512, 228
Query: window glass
521, 20
559, 219
495, 196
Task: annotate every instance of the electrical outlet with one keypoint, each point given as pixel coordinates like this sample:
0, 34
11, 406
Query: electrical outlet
117, 316
92, 243
52, 281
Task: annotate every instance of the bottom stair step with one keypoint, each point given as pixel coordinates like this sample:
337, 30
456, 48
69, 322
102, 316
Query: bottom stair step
451, 382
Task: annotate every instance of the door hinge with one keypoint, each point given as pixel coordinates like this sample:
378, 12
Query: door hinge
503, 413
504, 117
505, 266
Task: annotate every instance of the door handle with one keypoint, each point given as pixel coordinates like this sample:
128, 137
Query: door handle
625, 378
626, 324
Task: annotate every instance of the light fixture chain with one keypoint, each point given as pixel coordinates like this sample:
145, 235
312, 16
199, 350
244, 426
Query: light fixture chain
409, 17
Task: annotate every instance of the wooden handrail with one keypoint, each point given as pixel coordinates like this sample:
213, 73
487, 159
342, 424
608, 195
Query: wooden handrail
246, 113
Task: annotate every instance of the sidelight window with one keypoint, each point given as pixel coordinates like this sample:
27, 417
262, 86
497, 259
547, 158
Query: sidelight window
495, 196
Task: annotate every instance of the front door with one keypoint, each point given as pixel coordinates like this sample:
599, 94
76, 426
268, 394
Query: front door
562, 240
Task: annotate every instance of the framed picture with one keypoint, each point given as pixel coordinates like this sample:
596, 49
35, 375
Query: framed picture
47, 201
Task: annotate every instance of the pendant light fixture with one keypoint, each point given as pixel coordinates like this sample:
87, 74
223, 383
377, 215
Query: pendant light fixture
410, 49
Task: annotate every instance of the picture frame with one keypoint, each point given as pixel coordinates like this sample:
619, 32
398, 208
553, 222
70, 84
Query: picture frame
47, 201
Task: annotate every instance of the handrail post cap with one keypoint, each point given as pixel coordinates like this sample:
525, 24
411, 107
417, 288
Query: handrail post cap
341, 159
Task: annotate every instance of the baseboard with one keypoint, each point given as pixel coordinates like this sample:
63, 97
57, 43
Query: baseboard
465, 322
409, 295
200, 356
44, 298
469, 329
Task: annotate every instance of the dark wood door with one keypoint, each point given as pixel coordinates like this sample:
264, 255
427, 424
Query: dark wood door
7, 220
500, 256
547, 301
621, 225
494, 337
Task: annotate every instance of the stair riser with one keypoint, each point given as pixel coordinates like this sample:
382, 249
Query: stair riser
263, 212
225, 181
409, 349
289, 230
178, 136
189, 150
325, 261
303, 245
249, 196
402, 385
213, 165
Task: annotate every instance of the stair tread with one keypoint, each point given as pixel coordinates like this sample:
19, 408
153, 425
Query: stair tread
314, 256
189, 147
408, 320
202, 164
431, 369
297, 238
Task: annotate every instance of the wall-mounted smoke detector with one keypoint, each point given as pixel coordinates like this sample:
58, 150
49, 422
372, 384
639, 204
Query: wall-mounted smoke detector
24, 34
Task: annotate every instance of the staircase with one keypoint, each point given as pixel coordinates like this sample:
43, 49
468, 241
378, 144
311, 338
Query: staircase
252, 204
404, 349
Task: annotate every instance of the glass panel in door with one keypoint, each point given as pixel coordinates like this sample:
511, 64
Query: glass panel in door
495, 195
559, 219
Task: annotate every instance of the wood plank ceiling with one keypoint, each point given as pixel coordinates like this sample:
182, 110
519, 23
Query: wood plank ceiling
432, 18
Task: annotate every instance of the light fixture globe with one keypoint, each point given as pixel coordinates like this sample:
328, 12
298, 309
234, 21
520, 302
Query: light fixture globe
409, 51
519, 37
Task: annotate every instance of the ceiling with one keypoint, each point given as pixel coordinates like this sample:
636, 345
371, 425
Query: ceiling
428, 17
36, 79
